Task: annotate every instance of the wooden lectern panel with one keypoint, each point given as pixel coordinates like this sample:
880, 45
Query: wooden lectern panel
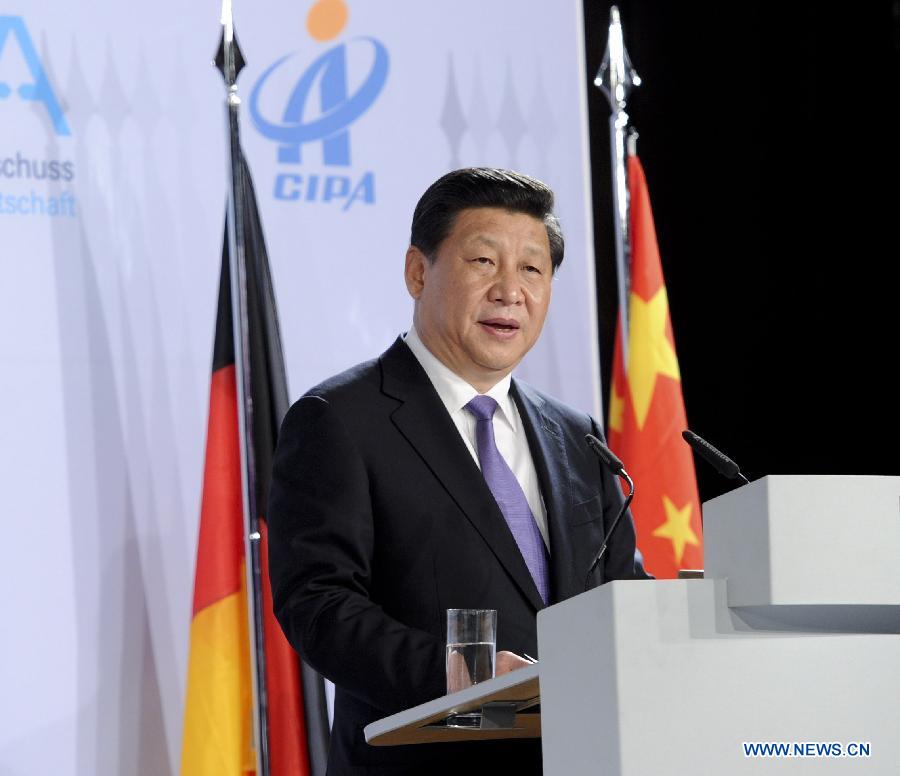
424, 724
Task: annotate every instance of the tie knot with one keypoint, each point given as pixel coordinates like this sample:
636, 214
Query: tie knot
482, 407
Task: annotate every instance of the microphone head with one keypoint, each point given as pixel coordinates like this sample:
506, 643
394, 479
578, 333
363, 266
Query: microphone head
717, 459
605, 454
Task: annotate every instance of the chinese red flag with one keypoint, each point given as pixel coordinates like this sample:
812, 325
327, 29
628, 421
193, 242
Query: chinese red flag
646, 408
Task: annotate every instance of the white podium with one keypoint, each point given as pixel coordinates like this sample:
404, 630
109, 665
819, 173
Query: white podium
792, 639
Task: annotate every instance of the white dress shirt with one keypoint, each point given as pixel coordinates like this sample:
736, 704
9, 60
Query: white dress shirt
509, 433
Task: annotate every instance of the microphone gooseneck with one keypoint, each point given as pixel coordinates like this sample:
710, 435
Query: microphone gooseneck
616, 466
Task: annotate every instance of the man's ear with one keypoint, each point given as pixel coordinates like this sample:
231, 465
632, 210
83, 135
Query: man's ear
415, 271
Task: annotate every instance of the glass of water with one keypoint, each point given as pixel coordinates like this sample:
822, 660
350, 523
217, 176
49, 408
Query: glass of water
471, 647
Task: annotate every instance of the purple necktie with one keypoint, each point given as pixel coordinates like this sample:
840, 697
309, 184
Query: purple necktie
509, 494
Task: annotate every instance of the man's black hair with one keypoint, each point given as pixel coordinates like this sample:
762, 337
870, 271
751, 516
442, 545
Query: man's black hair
474, 187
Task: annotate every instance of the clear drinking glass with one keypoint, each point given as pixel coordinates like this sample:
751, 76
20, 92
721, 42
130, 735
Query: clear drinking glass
471, 647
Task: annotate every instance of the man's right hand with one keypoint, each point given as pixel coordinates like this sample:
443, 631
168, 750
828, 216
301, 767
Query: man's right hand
509, 661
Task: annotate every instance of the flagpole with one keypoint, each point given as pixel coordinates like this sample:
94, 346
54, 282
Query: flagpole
230, 61
616, 78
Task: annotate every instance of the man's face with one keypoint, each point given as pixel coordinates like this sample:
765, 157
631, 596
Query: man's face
481, 304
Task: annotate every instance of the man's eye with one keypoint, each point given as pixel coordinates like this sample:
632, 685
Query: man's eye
532, 268
483, 260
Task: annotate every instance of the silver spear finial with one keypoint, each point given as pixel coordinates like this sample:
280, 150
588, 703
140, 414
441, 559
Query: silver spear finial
229, 60
616, 76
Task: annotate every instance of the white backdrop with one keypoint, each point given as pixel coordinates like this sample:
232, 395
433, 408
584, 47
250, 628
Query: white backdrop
112, 192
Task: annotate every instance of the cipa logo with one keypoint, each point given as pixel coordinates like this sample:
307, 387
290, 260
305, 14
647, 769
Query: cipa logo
314, 107
12, 28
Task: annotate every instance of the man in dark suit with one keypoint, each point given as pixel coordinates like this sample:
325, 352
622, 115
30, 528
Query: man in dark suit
428, 479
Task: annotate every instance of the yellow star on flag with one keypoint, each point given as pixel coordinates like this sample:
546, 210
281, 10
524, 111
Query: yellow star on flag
677, 528
650, 351
616, 409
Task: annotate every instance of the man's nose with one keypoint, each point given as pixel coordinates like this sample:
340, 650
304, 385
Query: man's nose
506, 287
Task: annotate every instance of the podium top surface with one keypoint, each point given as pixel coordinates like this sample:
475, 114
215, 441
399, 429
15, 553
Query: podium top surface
801, 540
415, 725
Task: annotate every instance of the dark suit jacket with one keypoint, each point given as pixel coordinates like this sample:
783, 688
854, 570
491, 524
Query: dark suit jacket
380, 521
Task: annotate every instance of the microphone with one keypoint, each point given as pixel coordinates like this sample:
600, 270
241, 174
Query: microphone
612, 463
606, 455
717, 459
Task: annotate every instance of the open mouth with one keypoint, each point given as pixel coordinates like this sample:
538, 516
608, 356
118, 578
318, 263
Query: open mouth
500, 325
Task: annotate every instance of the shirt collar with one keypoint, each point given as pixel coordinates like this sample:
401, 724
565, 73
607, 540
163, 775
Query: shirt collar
453, 390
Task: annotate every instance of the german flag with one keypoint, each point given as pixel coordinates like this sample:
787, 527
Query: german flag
218, 718
646, 408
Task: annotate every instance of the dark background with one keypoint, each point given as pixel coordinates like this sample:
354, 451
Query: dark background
767, 137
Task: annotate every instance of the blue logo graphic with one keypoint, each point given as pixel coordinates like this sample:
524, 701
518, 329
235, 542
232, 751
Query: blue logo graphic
39, 90
325, 79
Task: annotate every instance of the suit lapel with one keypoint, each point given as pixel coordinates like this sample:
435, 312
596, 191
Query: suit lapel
545, 439
427, 426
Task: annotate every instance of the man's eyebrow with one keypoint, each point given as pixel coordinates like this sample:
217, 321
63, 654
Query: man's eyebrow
490, 242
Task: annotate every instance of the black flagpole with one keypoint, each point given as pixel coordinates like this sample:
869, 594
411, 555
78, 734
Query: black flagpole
230, 61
